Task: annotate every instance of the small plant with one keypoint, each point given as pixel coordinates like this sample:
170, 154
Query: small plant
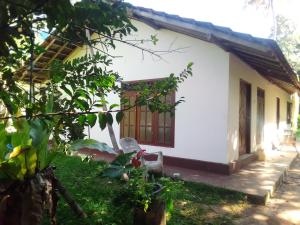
141, 191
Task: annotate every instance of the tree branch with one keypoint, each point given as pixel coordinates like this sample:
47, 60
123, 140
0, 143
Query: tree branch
75, 113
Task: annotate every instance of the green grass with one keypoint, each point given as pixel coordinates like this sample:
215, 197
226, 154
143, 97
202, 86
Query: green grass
197, 204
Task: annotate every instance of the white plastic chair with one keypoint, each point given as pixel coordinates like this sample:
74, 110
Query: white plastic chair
130, 145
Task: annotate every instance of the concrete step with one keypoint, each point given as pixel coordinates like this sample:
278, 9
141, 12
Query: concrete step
257, 180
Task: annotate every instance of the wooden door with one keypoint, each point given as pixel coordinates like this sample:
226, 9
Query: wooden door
277, 112
289, 107
244, 118
260, 118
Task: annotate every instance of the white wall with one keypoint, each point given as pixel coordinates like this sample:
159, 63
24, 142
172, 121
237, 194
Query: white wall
200, 122
240, 70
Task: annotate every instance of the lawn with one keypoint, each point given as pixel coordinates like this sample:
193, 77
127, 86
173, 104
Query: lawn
197, 204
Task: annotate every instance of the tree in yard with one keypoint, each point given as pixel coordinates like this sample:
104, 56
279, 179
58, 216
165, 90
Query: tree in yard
76, 89
288, 39
284, 32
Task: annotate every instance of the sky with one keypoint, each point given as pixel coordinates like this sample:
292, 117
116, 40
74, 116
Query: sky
230, 13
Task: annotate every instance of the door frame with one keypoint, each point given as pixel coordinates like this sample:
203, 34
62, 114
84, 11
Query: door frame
264, 111
248, 116
277, 112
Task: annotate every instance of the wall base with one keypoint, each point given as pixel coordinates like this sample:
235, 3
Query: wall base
197, 165
219, 168
243, 161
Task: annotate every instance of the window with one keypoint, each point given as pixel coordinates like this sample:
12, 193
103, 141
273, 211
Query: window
146, 127
289, 113
277, 112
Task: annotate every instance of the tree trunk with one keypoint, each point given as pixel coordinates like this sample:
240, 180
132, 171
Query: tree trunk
73, 205
109, 127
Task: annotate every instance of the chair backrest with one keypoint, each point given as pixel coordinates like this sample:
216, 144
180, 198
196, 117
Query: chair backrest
129, 145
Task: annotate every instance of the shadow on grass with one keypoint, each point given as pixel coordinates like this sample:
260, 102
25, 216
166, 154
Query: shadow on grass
94, 194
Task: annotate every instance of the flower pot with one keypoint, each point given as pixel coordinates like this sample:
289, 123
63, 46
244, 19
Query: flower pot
155, 215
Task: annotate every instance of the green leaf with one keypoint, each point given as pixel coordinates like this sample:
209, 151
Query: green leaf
57, 73
81, 119
170, 205
9, 40
119, 116
189, 66
82, 104
50, 157
123, 159
40, 138
91, 119
38, 131
43, 153
49, 104
31, 161
39, 49
122, 164
21, 136
113, 106
12, 168
102, 120
109, 118
98, 105
4, 141
113, 172
66, 90
9, 104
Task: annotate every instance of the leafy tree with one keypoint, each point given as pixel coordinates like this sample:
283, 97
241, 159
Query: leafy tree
20, 19
288, 39
284, 32
73, 96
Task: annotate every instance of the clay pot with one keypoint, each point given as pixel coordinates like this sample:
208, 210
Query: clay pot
155, 215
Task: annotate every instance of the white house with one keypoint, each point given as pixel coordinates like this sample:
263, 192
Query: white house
242, 95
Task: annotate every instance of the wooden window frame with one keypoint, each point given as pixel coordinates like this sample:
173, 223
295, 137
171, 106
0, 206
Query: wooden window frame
154, 123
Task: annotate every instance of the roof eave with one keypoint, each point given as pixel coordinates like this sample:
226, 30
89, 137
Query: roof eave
224, 38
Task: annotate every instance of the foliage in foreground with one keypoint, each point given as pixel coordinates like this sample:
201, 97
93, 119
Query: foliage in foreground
95, 194
80, 86
25, 179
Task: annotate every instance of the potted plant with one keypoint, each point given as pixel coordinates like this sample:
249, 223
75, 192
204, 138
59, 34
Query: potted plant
150, 197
